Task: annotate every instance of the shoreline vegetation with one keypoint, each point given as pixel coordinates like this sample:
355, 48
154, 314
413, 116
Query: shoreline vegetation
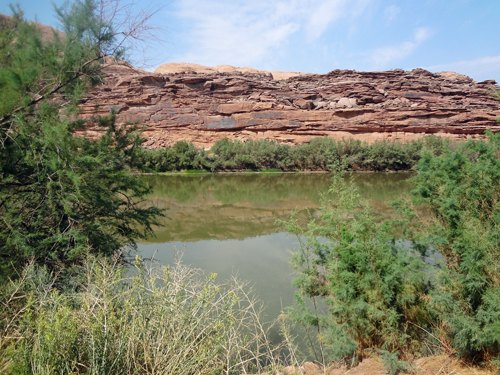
266, 156
388, 296
70, 208
194, 172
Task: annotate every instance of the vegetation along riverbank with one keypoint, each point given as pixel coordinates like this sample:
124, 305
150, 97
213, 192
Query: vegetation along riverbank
318, 155
75, 299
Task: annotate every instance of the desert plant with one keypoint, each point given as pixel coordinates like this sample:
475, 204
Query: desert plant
148, 320
62, 195
374, 285
462, 188
380, 293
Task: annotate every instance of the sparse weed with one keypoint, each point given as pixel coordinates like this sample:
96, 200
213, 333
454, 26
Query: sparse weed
151, 320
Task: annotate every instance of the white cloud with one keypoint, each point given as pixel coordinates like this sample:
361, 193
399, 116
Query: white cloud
422, 34
391, 12
358, 7
479, 69
247, 33
323, 15
381, 57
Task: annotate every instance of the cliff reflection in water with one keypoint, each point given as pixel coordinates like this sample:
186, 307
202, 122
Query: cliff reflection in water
239, 206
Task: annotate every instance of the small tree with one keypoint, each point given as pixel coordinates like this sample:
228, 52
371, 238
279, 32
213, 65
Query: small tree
62, 195
373, 285
380, 294
462, 188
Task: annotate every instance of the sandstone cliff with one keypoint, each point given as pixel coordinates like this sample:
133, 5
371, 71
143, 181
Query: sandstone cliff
202, 104
47, 32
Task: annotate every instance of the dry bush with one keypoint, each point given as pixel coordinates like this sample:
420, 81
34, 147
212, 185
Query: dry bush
160, 320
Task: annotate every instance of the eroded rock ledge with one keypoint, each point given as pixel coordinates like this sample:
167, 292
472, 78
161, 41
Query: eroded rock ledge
207, 105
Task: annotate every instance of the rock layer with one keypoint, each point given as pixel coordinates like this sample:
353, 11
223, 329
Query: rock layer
203, 105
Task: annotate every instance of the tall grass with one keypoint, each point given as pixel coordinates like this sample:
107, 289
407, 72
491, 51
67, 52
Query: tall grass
162, 320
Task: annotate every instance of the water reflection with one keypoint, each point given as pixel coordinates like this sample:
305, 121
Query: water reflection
261, 260
226, 223
239, 206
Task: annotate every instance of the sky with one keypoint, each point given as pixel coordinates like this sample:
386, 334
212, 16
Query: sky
318, 36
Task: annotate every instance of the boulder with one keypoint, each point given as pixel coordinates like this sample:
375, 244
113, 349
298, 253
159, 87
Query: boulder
346, 102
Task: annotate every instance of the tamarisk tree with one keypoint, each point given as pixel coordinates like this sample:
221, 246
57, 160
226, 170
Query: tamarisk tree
62, 195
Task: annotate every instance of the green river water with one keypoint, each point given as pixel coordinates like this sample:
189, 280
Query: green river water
226, 223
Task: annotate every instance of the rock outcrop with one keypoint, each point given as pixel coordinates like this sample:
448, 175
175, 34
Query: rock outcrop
202, 104
46, 32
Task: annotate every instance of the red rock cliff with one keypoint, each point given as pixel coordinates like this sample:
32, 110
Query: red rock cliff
204, 104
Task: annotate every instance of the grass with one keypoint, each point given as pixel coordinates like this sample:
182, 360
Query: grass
159, 320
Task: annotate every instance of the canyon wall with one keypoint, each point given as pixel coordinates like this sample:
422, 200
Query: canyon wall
202, 104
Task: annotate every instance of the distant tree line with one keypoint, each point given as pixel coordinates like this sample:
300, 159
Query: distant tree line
318, 155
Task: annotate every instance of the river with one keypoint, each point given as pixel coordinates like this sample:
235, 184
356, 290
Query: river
226, 223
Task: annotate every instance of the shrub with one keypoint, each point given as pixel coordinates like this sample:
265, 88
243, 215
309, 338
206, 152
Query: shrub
319, 154
162, 320
462, 188
380, 293
62, 195
375, 287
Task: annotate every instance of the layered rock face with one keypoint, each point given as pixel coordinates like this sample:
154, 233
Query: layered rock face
202, 105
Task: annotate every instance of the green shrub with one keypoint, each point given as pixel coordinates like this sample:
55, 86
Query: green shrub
462, 188
380, 294
319, 154
165, 320
374, 285
181, 156
62, 195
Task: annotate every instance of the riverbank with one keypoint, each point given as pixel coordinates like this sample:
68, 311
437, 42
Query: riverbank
439, 364
251, 172
265, 156
172, 320
383, 296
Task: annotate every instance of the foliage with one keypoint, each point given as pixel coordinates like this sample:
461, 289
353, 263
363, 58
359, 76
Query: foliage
380, 293
393, 365
156, 320
320, 154
373, 284
62, 195
462, 188
182, 156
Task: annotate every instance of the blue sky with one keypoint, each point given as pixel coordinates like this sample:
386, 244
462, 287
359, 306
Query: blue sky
321, 35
